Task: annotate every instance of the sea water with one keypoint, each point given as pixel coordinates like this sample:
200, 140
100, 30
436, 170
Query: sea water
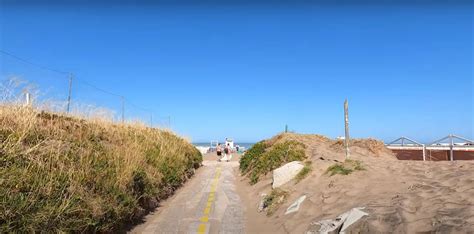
246, 145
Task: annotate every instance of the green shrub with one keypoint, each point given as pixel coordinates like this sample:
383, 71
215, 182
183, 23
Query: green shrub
252, 155
345, 168
262, 158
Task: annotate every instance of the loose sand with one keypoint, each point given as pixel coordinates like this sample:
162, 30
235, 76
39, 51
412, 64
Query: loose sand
400, 196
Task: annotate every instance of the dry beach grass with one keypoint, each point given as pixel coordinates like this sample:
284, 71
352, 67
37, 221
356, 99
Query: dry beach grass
63, 173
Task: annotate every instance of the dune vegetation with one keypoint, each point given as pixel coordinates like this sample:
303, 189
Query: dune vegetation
266, 156
66, 174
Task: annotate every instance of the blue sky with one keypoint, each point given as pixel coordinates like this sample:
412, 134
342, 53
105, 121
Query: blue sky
246, 70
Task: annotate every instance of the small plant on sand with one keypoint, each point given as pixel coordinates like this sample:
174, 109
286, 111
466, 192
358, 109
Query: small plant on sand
272, 202
304, 172
345, 168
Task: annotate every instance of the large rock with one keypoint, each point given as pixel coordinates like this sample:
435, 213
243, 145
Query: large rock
285, 173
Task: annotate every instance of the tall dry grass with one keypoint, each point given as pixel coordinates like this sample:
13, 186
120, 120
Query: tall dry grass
63, 173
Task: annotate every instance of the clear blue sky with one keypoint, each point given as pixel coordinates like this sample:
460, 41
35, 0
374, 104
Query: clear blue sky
246, 70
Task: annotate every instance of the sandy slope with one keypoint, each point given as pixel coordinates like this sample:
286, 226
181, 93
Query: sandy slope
400, 196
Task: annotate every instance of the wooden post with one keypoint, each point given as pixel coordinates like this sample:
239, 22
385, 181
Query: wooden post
286, 128
346, 124
69, 94
123, 109
27, 99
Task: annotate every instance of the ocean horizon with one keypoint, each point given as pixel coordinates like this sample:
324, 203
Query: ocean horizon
246, 145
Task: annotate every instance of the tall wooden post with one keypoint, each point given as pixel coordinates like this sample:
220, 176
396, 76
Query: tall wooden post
27, 99
286, 128
69, 94
123, 109
346, 124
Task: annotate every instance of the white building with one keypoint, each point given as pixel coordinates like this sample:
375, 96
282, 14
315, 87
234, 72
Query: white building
230, 142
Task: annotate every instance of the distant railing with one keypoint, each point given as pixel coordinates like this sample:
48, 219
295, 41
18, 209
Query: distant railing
447, 143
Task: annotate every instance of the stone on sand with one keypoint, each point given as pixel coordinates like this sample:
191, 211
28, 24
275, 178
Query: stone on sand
296, 205
341, 223
286, 173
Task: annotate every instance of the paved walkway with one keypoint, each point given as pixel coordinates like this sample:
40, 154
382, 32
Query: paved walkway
208, 203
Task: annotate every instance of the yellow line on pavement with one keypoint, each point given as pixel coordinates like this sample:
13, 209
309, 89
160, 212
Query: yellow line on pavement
210, 199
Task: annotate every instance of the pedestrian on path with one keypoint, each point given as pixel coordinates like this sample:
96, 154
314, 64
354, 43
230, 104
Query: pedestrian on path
219, 152
227, 153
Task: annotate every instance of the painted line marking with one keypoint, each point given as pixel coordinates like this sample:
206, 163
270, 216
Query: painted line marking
210, 199
205, 219
201, 228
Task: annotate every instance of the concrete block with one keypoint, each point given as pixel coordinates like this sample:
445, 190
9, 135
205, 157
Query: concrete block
286, 173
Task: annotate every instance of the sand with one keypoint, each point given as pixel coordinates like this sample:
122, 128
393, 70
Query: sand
400, 196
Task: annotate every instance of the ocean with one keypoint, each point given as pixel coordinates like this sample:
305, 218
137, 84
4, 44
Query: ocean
246, 145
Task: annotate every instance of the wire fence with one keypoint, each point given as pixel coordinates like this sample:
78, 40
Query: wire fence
61, 91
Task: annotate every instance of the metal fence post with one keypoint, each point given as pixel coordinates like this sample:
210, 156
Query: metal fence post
424, 152
451, 146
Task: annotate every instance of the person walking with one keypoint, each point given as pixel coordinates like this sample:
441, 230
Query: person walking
219, 152
227, 152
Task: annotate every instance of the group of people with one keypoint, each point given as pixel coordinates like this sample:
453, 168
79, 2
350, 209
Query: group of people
227, 152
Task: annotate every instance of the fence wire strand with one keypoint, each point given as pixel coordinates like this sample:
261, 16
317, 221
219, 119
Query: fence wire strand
70, 75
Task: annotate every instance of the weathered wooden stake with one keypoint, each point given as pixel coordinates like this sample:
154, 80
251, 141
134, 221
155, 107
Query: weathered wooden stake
68, 108
27, 99
346, 123
286, 128
123, 109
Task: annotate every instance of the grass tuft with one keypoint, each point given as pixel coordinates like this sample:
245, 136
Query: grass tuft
345, 168
304, 172
273, 201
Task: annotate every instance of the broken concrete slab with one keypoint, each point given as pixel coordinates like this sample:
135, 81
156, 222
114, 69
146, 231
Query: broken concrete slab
296, 205
286, 173
341, 223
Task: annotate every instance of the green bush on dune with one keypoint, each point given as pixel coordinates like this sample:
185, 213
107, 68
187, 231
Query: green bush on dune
263, 157
345, 168
62, 174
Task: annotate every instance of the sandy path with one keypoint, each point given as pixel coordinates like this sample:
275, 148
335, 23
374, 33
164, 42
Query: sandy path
208, 203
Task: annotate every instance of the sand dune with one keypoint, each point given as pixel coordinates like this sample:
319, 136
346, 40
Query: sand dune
400, 196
